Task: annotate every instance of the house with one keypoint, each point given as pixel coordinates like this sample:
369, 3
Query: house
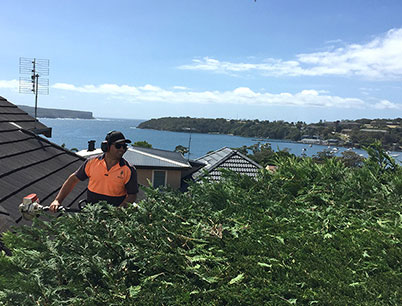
154, 166
30, 163
225, 158
307, 139
311, 141
374, 131
332, 142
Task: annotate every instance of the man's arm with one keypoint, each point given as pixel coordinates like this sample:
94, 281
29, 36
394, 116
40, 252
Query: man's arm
131, 187
67, 187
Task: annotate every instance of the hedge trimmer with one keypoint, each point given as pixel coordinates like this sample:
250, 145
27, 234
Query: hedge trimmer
30, 207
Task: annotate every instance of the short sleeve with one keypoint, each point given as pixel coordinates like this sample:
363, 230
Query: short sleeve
132, 184
80, 173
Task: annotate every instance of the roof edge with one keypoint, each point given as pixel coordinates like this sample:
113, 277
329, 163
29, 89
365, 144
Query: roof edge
161, 158
216, 165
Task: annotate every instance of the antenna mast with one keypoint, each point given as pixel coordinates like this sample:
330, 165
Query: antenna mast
189, 141
189, 146
32, 84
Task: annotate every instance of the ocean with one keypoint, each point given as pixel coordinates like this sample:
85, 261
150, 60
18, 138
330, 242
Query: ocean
75, 133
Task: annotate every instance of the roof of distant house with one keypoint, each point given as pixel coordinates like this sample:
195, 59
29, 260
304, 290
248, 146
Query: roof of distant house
31, 164
148, 158
225, 158
373, 131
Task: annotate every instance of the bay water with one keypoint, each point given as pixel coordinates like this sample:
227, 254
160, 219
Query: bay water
75, 133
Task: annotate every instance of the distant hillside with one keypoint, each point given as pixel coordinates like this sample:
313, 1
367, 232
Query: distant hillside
353, 133
56, 113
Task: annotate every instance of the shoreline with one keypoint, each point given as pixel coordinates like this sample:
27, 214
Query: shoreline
268, 140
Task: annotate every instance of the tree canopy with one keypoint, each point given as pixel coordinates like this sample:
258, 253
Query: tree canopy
142, 144
357, 133
308, 233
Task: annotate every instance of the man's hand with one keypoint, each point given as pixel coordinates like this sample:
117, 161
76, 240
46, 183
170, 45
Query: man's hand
54, 206
130, 198
68, 185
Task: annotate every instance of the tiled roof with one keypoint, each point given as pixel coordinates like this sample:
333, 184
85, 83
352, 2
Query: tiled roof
225, 158
11, 113
31, 164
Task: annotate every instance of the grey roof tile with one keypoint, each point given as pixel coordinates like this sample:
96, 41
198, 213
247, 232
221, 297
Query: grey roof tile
31, 164
11, 113
225, 158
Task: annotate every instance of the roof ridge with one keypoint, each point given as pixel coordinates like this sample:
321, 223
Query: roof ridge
156, 149
249, 159
214, 152
221, 161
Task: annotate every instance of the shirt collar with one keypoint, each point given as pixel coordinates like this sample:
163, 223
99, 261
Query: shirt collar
121, 162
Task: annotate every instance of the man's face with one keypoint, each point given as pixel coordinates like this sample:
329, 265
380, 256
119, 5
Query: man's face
118, 149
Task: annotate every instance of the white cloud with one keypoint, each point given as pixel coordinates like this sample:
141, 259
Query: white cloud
385, 104
110, 89
240, 95
309, 92
149, 87
181, 88
270, 66
12, 84
379, 59
333, 41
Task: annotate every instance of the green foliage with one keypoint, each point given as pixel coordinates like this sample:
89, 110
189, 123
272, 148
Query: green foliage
356, 133
142, 144
248, 128
263, 154
351, 159
322, 156
181, 149
309, 233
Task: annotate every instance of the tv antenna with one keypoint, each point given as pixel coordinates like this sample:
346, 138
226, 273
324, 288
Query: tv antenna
31, 84
189, 142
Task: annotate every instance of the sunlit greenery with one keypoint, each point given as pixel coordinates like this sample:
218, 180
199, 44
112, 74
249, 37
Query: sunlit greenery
357, 133
307, 234
142, 144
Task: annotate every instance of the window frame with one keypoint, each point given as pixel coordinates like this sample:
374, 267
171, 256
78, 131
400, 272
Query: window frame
153, 178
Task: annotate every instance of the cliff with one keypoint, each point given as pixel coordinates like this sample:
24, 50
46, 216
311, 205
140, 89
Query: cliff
56, 113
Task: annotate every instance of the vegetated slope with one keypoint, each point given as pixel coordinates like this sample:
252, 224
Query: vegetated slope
306, 234
357, 133
56, 113
248, 128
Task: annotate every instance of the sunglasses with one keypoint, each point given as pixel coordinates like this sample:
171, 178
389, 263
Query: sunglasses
120, 145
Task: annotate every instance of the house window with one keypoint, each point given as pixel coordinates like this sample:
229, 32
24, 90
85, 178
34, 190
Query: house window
159, 178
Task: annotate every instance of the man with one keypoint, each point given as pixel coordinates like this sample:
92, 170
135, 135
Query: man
111, 177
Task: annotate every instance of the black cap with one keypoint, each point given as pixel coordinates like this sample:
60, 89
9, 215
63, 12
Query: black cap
116, 136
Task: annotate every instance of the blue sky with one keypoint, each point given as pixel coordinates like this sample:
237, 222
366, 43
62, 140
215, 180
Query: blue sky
270, 60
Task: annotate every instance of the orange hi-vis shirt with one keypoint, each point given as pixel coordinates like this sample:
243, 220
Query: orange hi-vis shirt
111, 185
